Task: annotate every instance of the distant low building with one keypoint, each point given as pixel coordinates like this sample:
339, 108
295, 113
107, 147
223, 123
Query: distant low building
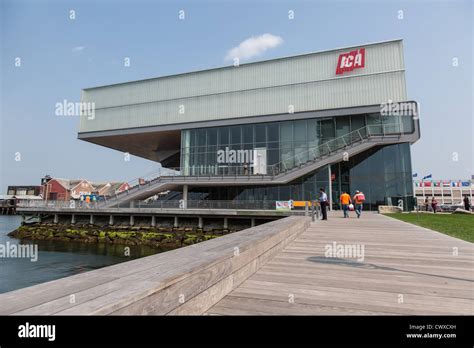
24, 190
444, 191
66, 189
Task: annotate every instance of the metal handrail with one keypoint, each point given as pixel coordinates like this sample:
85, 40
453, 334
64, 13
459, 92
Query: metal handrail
227, 170
337, 144
150, 204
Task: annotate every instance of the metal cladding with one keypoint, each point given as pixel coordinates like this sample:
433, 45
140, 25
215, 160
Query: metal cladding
301, 83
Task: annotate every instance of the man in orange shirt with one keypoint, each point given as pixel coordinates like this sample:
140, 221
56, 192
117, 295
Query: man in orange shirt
345, 201
359, 199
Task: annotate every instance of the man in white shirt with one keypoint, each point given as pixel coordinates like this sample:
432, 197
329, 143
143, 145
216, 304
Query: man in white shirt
323, 202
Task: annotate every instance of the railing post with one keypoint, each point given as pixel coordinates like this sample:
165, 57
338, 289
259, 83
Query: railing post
298, 158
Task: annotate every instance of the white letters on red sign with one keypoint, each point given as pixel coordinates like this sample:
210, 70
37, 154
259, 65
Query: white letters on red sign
350, 61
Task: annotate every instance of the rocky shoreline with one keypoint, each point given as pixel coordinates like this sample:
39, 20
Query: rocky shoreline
162, 237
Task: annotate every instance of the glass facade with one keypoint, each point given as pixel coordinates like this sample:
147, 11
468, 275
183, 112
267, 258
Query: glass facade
382, 173
208, 151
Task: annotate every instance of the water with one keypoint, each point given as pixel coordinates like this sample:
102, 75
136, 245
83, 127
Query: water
58, 259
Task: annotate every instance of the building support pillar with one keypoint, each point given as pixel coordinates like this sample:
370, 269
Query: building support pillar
111, 220
73, 219
185, 196
226, 224
132, 220
91, 220
56, 218
252, 222
329, 188
200, 222
176, 222
153, 221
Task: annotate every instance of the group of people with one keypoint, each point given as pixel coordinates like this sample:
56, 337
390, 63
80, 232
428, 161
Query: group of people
356, 202
346, 202
434, 204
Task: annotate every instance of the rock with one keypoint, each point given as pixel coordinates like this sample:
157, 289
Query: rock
462, 211
387, 209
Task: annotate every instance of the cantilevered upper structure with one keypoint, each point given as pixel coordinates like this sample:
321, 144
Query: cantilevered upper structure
272, 130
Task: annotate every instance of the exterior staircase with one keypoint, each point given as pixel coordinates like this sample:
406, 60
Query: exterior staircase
315, 158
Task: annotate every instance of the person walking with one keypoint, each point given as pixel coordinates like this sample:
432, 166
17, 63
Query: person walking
434, 204
427, 204
323, 202
345, 201
359, 199
467, 203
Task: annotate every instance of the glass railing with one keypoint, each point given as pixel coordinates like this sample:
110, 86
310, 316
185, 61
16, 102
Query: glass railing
299, 159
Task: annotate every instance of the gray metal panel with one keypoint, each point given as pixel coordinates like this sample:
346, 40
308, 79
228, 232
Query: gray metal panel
237, 121
308, 82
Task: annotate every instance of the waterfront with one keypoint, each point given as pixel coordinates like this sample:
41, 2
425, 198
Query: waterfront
58, 259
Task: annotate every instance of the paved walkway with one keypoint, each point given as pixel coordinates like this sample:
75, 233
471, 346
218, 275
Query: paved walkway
406, 270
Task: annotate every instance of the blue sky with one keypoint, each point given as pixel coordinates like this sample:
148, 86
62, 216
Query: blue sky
60, 56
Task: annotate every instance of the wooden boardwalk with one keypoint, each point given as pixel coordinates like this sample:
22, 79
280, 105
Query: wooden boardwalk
406, 270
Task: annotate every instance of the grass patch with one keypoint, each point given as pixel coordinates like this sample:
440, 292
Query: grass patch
454, 225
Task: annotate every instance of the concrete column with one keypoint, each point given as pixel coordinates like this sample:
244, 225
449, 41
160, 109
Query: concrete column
252, 222
153, 221
132, 204
132, 220
306, 209
91, 219
176, 222
226, 224
73, 219
330, 187
56, 218
111, 220
200, 222
185, 196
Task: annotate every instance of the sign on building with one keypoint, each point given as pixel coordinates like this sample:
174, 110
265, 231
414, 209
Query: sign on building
350, 61
260, 161
284, 205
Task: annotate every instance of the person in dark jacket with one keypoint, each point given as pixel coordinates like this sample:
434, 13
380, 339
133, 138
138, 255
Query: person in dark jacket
467, 203
434, 204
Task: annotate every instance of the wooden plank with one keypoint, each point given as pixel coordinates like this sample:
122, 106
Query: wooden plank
399, 259
155, 284
232, 305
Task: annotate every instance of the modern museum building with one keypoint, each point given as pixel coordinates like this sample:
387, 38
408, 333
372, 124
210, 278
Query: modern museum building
268, 131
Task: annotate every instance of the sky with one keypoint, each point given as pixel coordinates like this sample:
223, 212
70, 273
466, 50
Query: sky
47, 57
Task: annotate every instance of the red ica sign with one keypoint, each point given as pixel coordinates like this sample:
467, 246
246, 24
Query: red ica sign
350, 61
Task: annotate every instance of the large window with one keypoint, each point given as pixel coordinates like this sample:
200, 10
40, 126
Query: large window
287, 144
382, 173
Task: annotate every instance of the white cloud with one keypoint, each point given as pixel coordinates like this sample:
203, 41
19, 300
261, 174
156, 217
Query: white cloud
254, 46
78, 48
